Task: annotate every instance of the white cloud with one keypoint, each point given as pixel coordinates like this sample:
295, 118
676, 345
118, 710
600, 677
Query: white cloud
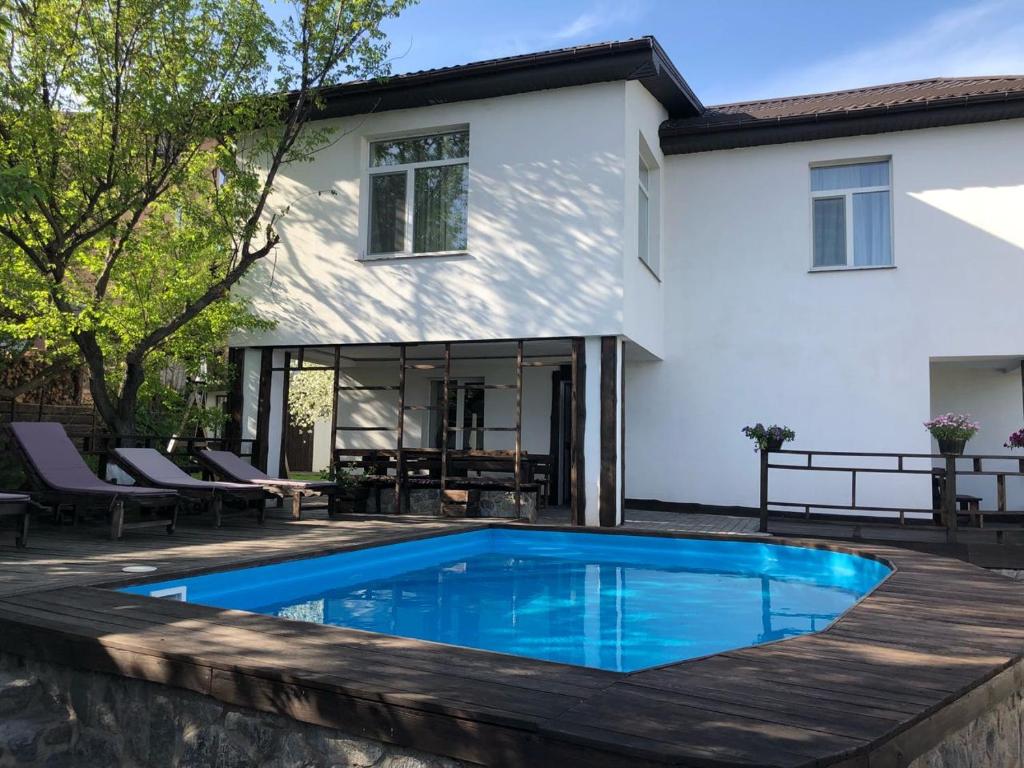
984, 38
600, 21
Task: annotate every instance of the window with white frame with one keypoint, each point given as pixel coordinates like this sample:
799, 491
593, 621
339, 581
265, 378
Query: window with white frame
852, 215
418, 192
646, 213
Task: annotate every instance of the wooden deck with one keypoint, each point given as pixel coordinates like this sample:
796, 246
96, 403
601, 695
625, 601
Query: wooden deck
924, 654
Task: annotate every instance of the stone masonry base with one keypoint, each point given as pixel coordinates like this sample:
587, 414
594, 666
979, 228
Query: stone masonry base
59, 717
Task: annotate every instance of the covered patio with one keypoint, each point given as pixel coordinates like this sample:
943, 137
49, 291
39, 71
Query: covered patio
488, 428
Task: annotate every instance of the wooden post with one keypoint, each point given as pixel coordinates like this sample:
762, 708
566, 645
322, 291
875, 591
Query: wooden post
519, 433
949, 499
282, 459
233, 426
117, 520
763, 454
1001, 492
577, 484
608, 493
263, 410
216, 507
334, 410
400, 436
446, 384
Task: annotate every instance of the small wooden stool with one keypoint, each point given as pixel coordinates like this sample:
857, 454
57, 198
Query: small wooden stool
17, 505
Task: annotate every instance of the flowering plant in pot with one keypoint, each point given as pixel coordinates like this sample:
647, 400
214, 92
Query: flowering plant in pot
1016, 440
769, 438
952, 431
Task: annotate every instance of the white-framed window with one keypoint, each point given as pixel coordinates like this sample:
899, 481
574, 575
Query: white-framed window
647, 209
418, 192
851, 212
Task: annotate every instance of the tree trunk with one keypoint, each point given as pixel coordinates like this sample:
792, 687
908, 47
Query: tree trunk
118, 413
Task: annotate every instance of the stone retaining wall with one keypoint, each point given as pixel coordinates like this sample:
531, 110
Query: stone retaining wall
994, 740
59, 717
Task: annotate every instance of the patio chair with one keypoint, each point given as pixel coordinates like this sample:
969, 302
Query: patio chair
17, 505
61, 478
226, 465
149, 466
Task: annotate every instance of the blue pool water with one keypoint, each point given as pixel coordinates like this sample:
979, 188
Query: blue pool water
610, 601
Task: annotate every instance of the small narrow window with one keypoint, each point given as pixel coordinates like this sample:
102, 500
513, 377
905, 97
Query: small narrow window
643, 224
419, 185
852, 215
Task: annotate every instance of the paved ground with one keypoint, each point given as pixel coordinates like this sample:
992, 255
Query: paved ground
666, 521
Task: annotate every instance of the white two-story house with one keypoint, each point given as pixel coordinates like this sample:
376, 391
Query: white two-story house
566, 254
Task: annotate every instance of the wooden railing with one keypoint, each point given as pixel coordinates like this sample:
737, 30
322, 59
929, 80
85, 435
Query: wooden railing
944, 477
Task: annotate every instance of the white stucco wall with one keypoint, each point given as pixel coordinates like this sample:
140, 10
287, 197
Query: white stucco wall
642, 294
842, 357
545, 240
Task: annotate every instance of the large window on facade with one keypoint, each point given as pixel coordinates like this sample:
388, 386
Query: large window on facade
852, 215
418, 192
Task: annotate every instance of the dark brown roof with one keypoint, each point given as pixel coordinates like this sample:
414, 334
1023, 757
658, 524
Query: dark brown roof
642, 59
874, 109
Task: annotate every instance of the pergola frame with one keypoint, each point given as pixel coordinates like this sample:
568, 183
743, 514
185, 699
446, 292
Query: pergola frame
295, 361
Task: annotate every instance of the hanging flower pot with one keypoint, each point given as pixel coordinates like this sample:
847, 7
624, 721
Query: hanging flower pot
952, 431
952, 446
769, 438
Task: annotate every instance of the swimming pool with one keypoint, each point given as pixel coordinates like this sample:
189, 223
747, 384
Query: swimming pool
610, 601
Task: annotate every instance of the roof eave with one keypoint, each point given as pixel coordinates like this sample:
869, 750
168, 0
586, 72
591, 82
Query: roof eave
642, 60
828, 125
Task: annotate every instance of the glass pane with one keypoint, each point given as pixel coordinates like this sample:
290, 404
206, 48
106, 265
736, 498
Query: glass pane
387, 212
419, 149
830, 232
645, 174
643, 228
872, 233
439, 209
850, 176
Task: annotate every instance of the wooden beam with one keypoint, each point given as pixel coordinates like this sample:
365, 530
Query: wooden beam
282, 459
577, 482
233, 425
519, 432
622, 435
334, 406
263, 410
445, 391
400, 439
608, 493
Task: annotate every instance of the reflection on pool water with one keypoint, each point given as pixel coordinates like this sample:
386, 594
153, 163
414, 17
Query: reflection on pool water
611, 601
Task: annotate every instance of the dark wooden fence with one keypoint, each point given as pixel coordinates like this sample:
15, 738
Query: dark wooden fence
944, 472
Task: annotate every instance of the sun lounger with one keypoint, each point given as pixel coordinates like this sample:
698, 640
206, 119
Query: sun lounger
16, 505
62, 478
149, 466
228, 466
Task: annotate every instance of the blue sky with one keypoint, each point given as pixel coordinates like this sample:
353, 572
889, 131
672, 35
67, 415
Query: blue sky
731, 50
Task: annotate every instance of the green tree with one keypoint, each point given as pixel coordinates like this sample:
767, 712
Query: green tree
140, 144
311, 397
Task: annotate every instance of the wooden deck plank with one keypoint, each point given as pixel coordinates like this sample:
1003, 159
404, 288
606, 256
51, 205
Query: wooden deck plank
935, 630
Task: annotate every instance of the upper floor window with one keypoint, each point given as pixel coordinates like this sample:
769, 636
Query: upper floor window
419, 185
647, 209
852, 214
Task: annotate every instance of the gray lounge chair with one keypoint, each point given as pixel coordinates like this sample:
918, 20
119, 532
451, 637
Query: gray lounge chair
61, 478
17, 505
228, 466
149, 466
